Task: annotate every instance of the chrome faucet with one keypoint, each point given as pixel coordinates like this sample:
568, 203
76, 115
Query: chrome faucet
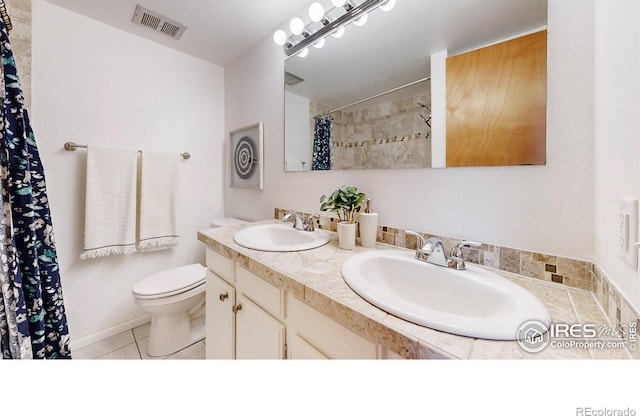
300, 221
432, 251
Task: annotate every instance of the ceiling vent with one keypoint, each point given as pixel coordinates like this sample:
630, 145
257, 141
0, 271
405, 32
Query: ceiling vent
291, 79
157, 22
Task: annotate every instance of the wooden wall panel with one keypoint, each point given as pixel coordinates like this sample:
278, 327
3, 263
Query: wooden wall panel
496, 104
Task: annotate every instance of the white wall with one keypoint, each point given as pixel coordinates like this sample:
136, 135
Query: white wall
97, 85
542, 208
617, 138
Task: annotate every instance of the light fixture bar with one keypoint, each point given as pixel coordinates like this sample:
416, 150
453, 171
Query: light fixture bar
346, 18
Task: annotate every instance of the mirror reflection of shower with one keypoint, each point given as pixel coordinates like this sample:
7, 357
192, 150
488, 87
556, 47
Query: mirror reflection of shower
427, 118
390, 129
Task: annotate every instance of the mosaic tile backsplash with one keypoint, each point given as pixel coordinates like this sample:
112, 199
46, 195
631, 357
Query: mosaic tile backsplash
561, 270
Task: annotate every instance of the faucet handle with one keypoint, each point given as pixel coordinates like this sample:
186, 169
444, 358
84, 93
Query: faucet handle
288, 215
455, 259
456, 251
421, 240
308, 221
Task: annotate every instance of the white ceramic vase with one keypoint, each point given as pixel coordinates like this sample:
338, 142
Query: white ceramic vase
346, 235
368, 224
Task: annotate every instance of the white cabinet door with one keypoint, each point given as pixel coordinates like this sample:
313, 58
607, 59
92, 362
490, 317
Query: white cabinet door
220, 319
324, 334
299, 349
258, 334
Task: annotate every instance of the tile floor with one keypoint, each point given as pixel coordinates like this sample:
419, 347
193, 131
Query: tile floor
131, 345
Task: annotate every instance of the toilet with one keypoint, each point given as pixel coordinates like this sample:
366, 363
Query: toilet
226, 222
175, 298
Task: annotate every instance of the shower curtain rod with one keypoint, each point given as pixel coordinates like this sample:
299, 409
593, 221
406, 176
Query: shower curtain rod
326, 113
71, 146
5, 16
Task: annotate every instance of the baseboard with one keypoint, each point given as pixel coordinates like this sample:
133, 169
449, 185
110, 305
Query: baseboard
109, 332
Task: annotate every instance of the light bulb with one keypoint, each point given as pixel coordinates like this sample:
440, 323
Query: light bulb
338, 33
319, 44
361, 20
338, 3
316, 12
388, 5
303, 53
296, 25
280, 37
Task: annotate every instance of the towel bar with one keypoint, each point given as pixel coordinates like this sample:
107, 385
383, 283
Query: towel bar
71, 146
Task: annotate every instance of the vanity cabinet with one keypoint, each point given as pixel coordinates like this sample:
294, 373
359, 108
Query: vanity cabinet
299, 349
313, 335
244, 313
221, 331
248, 317
258, 334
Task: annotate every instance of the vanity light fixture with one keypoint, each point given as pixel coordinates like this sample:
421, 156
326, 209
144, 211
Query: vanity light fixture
338, 33
324, 24
297, 26
360, 21
388, 5
316, 12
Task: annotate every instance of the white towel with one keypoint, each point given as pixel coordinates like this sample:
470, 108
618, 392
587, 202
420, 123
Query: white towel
158, 201
110, 202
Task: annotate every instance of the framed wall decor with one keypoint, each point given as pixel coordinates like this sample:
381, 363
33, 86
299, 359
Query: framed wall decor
246, 157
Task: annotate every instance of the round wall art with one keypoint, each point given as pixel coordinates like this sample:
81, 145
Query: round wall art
246, 157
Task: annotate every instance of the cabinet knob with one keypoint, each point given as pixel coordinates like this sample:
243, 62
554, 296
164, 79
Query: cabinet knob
224, 296
236, 308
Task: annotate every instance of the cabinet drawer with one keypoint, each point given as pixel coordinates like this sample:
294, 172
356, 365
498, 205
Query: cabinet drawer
220, 265
263, 293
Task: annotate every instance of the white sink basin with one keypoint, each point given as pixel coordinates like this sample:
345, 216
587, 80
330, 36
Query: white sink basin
474, 302
280, 237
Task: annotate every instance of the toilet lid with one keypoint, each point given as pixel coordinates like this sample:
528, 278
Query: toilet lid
172, 281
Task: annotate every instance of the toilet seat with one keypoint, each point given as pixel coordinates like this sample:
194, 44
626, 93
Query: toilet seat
170, 282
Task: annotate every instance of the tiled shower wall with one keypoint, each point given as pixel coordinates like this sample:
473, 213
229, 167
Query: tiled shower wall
20, 36
387, 135
561, 270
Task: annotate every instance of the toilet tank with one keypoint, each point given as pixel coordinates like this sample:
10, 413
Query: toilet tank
226, 222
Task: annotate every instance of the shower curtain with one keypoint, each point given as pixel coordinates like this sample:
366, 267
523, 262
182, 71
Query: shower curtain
323, 144
33, 322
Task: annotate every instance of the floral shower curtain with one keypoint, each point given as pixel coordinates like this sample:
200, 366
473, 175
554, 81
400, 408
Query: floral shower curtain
323, 144
33, 322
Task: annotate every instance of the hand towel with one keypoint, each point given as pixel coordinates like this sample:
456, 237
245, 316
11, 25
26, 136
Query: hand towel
110, 202
158, 201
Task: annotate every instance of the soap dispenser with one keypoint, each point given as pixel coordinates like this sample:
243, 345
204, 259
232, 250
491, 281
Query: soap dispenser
368, 224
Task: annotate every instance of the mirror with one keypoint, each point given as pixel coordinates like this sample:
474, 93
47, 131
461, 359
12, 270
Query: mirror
371, 88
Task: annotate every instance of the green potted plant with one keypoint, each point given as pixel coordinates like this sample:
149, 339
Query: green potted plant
345, 202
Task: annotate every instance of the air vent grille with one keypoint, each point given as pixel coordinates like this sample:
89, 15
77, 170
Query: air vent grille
291, 79
170, 29
157, 22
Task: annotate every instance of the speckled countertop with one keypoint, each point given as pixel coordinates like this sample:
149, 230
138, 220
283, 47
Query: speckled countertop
314, 276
